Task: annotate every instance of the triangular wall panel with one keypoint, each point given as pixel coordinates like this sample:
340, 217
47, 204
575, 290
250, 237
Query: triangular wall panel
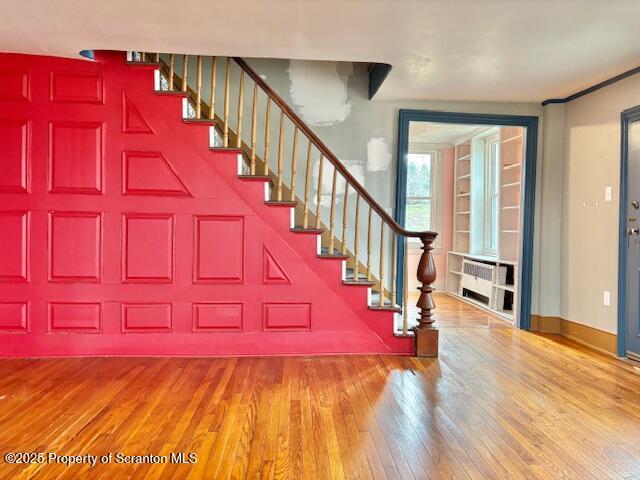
272, 271
149, 173
132, 120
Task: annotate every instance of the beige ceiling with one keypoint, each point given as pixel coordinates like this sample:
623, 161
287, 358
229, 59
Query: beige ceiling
509, 50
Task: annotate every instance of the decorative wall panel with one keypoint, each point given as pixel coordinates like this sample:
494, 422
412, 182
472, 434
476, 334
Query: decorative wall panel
146, 317
74, 317
14, 85
132, 120
272, 272
148, 247
14, 246
148, 173
217, 316
219, 249
14, 155
287, 316
13, 316
77, 87
75, 240
75, 157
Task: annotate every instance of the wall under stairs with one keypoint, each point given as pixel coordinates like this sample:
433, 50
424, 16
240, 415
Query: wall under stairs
123, 233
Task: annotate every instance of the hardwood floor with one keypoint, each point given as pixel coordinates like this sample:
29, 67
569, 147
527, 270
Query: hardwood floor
498, 403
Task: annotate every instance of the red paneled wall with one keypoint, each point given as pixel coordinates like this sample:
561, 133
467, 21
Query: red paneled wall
122, 233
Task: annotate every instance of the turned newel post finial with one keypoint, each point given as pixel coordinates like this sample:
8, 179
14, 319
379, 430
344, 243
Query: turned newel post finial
426, 333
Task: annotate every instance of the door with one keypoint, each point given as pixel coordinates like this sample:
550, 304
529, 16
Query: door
632, 212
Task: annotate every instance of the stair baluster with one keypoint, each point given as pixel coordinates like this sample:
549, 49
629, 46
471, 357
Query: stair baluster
319, 195
394, 273
225, 133
307, 189
369, 245
185, 72
332, 213
240, 110
267, 133
381, 267
280, 159
356, 240
212, 107
345, 218
199, 87
254, 121
405, 290
172, 61
294, 165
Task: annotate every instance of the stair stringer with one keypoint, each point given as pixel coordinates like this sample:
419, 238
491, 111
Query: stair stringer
328, 271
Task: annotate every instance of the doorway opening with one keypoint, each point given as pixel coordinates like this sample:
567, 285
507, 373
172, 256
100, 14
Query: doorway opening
471, 178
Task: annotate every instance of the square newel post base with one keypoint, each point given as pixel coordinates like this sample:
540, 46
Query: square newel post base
426, 340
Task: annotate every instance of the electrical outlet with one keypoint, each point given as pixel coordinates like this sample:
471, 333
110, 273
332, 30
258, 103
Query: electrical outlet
607, 193
606, 298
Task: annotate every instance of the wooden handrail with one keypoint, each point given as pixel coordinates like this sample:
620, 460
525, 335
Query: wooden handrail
326, 153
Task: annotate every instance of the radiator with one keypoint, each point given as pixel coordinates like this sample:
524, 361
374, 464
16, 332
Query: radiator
477, 277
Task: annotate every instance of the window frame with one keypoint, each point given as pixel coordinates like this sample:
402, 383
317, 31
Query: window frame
432, 160
491, 168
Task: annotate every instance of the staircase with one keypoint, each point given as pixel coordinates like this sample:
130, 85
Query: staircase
281, 226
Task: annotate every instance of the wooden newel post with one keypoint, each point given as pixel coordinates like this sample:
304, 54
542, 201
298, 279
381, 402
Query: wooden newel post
426, 333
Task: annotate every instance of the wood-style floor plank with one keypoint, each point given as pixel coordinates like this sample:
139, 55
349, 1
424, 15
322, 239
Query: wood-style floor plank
498, 403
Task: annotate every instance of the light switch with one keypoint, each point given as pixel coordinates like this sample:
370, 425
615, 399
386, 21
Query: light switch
607, 193
606, 298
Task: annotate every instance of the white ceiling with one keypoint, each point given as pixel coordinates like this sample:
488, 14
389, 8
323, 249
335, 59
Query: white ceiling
490, 50
440, 133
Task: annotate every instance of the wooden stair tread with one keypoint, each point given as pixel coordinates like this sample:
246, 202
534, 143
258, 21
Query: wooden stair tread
255, 178
364, 283
324, 253
144, 64
205, 121
172, 92
386, 308
316, 231
281, 203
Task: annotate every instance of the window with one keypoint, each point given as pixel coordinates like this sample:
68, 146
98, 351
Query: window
492, 195
419, 206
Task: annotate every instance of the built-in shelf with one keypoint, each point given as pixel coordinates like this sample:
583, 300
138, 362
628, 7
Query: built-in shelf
511, 139
505, 314
511, 165
500, 295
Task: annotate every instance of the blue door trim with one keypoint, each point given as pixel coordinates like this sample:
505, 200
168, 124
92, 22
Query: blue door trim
626, 117
529, 174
